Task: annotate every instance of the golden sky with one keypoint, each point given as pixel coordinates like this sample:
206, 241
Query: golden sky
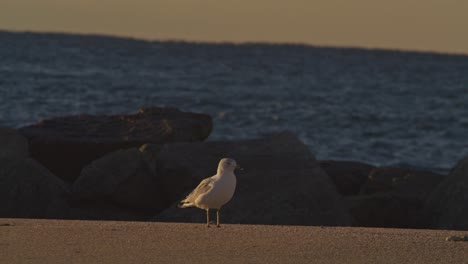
430, 25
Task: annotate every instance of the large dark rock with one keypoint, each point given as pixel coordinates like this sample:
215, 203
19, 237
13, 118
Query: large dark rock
410, 182
348, 176
12, 144
66, 144
387, 210
29, 190
281, 183
393, 197
447, 206
122, 178
174, 179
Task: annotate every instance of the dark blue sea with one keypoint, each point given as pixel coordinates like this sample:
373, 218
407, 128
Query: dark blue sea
378, 106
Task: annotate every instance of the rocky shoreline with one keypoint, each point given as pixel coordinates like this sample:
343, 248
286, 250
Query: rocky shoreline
136, 167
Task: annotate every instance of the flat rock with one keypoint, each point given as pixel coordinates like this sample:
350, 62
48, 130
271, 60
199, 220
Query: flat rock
28, 189
281, 183
348, 176
116, 242
12, 144
66, 144
447, 206
105, 211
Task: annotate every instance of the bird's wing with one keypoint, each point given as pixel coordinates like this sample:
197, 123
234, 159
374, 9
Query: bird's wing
205, 186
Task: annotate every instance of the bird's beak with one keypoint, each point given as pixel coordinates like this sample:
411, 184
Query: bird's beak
239, 167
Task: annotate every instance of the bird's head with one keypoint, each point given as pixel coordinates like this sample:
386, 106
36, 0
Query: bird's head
227, 164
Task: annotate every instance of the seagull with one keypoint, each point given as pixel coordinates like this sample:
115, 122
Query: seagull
215, 191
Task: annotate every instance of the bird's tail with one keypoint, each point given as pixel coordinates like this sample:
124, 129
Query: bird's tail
184, 204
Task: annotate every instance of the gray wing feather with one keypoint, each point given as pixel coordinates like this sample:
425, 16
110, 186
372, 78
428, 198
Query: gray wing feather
204, 187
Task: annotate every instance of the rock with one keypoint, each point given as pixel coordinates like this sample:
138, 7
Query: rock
174, 179
66, 144
393, 197
348, 176
28, 189
13, 144
281, 183
447, 206
385, 210
122, 178
409, 182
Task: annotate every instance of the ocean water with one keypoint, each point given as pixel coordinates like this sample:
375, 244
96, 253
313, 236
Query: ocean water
376, 106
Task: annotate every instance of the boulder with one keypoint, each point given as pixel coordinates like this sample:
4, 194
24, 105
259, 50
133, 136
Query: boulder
13, 144
385, 210
121, 178
29, 190
66, 144
174, 179
348, 176
409, 182
447, 206
281, 183
393, 197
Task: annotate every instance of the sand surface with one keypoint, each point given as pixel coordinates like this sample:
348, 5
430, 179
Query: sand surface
58, 241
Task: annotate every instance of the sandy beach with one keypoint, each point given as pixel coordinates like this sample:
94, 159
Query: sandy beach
59, 241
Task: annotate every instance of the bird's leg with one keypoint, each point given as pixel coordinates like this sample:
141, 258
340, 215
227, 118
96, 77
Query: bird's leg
207, 217
217, 218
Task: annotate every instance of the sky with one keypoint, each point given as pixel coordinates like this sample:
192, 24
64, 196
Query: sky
422, 25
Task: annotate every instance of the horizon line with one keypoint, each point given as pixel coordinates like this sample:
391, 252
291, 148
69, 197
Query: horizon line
231, 42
